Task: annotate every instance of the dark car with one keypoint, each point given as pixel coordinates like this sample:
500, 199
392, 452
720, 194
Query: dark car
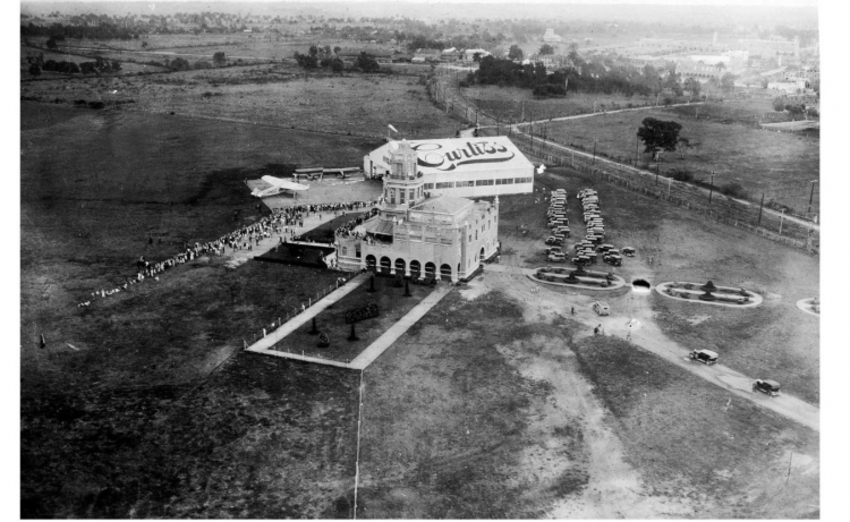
767, 386
703, 356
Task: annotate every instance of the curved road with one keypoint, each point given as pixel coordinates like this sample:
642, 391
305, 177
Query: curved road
646, 334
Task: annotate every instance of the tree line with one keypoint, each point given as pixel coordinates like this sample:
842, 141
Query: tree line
589, 76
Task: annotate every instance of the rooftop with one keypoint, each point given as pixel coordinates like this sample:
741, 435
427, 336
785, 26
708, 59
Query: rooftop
443, 204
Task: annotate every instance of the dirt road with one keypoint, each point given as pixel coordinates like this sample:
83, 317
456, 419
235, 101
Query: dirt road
646, 334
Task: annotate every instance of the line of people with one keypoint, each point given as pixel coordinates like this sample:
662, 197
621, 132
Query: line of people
282, 221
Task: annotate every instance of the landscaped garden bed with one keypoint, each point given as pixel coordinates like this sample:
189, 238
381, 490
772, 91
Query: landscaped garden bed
709, 293
578, 277
364, 313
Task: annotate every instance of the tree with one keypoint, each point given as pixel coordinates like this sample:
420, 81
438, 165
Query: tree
51, 43
691, 84
367, 64
35, 70
144, 44
658, 135
337, 65
219, 59
779, 104
546, 49
515, 53
727, 82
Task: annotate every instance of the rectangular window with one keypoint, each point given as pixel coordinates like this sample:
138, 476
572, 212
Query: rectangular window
411, 196
446, 185
401, 193
429, 186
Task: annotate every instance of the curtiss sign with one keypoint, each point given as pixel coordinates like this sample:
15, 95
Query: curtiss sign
435, 156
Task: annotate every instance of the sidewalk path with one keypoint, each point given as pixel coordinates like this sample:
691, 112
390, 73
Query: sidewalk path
383, 342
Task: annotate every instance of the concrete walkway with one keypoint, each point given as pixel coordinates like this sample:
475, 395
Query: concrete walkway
383, 342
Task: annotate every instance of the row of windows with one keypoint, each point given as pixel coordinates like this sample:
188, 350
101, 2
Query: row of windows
476, 183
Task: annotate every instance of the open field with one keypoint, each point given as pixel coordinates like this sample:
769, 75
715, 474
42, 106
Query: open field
690, 440
779, 165
773, 341
453, 438
510, 103
497, 417
279, 95
262, 438
115, 377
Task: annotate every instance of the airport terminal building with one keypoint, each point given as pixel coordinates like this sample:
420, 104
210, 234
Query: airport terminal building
417, 234
463, 167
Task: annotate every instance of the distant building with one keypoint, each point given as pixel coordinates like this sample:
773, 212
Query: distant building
351, 54
550, 37
416, 234
462, 167
469, 54
426, 55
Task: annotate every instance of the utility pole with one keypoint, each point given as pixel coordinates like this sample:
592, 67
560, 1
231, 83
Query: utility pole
761, 205
711, 189
811, 195
636, 150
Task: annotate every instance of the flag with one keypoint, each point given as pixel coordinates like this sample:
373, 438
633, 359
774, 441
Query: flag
392, 128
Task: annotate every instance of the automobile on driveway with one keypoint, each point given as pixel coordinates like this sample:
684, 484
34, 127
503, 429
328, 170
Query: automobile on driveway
767, 387
704, 356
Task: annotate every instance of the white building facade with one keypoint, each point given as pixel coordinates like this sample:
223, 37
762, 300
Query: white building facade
420, 235
463, 167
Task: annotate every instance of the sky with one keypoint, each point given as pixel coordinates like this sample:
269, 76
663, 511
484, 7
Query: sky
590, 2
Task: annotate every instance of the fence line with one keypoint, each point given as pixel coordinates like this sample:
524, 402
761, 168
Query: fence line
716, 206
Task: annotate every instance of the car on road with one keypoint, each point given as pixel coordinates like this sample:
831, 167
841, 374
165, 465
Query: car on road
601, 308
766, 386
703, 356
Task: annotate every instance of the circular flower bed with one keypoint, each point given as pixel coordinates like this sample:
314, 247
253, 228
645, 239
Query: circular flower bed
710, 293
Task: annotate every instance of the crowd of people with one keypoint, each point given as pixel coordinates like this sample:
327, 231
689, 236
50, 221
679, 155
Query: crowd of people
282, 222
348, 228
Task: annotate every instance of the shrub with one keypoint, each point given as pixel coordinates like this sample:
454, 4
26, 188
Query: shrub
97, 105
681, 175
734, 190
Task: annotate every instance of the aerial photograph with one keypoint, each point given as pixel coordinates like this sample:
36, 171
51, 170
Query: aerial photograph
471, 259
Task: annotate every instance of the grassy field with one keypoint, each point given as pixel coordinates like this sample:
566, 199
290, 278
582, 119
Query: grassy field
262, 438
691, 441
510, 103
779, 165
115, 377
455, 436
278, 95
774, 341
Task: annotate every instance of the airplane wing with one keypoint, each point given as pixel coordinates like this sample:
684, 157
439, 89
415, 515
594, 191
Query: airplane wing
284, 184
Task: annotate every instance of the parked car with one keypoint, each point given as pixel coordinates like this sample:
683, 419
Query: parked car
557, 257
613, 260
552, 240
767, 386
628, 251
601, 308
703, 356
605, 247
